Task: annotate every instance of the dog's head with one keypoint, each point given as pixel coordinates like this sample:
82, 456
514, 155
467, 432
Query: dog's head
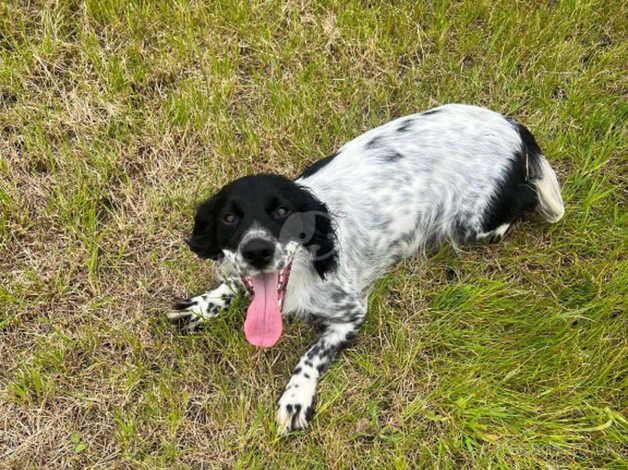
259, 223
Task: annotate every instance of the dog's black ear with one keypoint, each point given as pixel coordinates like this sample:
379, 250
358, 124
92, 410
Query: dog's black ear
204, 240
324, 242
321, 237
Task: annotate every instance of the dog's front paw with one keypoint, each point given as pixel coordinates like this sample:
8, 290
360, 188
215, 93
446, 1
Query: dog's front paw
190, 314
293, 416
296, 408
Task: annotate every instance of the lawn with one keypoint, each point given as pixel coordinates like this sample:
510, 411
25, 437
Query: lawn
118, 117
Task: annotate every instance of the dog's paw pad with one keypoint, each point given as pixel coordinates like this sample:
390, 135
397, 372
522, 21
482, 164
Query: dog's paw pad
293, 416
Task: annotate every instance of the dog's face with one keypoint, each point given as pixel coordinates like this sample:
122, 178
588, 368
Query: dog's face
258, 223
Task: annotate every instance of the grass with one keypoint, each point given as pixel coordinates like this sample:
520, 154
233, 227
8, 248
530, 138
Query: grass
118, 116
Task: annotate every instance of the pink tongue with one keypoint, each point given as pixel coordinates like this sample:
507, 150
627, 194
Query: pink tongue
262, 326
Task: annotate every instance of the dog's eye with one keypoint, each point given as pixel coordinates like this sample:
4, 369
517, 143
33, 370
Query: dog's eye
230, 218
281, 212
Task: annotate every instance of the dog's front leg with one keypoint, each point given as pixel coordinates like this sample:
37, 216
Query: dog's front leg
296, 405
191, 313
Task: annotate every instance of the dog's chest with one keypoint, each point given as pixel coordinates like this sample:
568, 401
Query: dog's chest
301, 294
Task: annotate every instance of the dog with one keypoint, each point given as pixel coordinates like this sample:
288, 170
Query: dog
313, 246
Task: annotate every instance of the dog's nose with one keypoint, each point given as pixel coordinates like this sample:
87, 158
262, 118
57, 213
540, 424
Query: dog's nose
258, 252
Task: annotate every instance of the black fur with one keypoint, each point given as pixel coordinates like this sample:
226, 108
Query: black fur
393, 156
316, 221
516, 194
405, 125
374, 142
253, 199
204, 241
317, 165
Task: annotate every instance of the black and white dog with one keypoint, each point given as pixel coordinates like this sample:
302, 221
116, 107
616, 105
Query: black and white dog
312, 247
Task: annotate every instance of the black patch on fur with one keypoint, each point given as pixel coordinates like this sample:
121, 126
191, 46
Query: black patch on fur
405, 125
431, 111
314, 167
393, 156
374, 142
313, 352
516, 195
306, 375
297, 409
296, 371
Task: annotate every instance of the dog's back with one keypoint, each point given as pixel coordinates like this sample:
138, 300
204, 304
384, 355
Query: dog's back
456, 172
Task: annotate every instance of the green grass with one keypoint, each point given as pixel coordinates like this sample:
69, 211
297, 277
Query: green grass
118, 116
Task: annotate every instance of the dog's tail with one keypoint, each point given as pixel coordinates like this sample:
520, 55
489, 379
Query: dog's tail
550, 206
538, 172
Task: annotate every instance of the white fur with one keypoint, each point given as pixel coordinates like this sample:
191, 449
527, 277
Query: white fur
551, 205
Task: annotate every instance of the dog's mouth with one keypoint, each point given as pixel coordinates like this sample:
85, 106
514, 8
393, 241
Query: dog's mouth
263, 323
